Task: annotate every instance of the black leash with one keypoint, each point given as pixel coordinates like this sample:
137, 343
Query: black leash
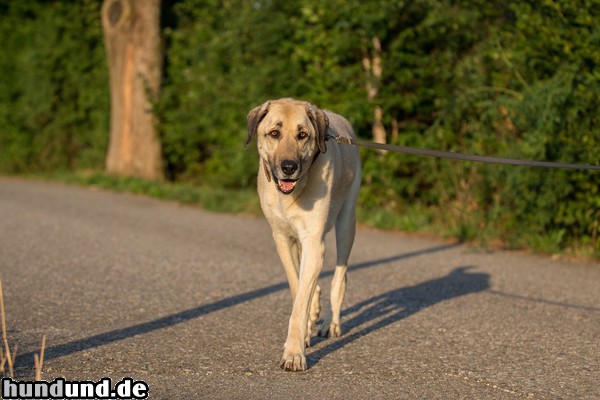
460, 156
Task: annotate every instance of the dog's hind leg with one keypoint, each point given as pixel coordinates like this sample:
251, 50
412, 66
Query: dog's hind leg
315, 310
289, 254
345, 229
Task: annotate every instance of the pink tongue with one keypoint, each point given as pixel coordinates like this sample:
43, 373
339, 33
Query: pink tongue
286, 186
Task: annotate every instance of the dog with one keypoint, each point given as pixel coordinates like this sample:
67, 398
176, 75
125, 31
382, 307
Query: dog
307, 185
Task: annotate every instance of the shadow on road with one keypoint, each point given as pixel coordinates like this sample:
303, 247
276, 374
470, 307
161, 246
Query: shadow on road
543, 301
26, 360
385, 309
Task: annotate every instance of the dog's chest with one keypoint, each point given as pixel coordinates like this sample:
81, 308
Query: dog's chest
294, 217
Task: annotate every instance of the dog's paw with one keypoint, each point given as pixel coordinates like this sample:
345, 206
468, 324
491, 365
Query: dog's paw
293, 362
330, 330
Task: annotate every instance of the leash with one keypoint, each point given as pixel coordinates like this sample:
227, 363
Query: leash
460, 156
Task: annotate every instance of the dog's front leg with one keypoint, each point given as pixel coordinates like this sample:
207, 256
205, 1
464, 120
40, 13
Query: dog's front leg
310, 267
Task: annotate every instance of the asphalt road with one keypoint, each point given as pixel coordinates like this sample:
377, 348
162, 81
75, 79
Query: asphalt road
196, 304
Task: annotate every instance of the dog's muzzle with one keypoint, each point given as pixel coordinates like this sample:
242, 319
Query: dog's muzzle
289, 176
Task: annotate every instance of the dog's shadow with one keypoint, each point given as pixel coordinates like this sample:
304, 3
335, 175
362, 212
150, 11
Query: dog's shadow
115, 335
358, 320
383, 310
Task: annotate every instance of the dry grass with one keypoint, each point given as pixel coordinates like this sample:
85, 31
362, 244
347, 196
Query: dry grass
7, 357
39, 360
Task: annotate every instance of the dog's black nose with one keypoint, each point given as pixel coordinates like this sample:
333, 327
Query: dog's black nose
289, 167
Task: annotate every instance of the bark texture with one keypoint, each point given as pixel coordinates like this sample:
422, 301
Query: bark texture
373, 71
133, 46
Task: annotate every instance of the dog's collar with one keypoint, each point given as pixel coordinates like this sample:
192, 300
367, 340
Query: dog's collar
315, 157
327, 137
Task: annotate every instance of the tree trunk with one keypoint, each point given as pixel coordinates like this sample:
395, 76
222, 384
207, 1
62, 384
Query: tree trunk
132, 40
373, 71
395, 130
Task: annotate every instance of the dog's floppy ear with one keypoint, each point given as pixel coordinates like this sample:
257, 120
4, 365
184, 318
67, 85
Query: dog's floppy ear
320, 122
254, 117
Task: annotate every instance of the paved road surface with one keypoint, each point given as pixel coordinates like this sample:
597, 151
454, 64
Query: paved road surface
196, 304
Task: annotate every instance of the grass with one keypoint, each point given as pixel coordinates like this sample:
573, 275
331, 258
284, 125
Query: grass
241, 201
7, 357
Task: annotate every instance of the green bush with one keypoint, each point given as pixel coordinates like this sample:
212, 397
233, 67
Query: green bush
54, 89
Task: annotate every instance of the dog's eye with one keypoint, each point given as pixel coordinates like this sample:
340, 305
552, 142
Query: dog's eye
302, 135
274, 134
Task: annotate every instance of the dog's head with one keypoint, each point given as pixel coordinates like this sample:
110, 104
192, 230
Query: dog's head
290, 133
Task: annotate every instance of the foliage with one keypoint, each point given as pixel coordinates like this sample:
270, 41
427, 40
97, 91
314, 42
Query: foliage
513, 79
54, 91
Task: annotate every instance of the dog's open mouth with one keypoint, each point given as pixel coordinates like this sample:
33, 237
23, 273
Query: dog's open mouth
285, 186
